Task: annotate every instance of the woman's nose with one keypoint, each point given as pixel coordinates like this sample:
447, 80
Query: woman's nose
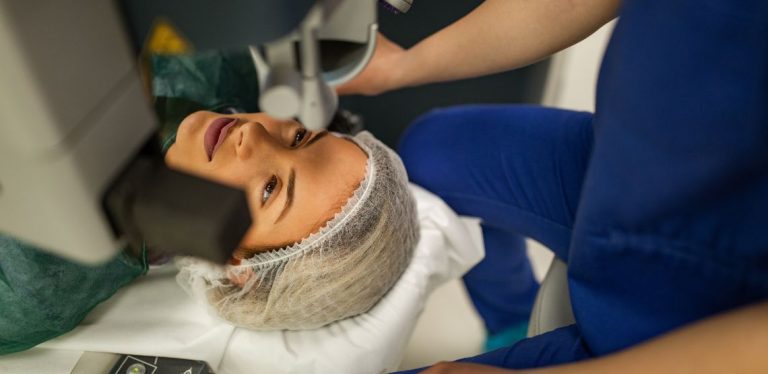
253, 138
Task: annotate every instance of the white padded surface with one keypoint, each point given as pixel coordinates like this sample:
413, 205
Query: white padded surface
154, 316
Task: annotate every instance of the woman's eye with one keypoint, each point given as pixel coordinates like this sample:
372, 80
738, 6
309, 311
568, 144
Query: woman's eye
268, 189
300, 135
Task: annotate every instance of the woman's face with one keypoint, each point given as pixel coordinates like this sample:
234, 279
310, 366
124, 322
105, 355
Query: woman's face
295, 179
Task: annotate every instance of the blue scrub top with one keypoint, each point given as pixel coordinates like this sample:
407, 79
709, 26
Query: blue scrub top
672, 219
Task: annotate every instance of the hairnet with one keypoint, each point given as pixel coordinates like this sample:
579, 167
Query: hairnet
340, 271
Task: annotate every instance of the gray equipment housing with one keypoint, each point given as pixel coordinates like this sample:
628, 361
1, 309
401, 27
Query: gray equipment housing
552, 308
74, 117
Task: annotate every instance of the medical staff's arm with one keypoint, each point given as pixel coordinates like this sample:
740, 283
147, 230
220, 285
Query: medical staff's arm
496, 36
733, 342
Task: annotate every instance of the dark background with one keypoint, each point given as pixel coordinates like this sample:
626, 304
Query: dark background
387, 115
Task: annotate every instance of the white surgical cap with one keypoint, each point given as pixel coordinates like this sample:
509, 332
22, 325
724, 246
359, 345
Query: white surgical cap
340, 271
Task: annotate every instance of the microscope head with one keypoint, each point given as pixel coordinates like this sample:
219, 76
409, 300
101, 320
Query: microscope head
301, 48
75, 179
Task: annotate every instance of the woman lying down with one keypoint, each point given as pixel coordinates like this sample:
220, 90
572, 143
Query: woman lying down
334, 223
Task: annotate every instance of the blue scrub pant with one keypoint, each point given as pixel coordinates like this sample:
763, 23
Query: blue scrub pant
672, 218
519, 169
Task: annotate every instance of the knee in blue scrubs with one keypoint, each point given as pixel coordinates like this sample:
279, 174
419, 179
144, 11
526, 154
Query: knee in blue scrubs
519, 168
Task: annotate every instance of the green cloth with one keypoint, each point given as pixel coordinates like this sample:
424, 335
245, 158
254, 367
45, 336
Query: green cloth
43, 296
213, 80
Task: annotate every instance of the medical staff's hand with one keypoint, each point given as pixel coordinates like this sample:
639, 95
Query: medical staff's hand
496, 36
381, 74
465, 368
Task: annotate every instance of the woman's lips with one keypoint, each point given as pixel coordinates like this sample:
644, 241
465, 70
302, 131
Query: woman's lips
215, 134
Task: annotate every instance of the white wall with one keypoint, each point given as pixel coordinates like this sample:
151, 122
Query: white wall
573, 74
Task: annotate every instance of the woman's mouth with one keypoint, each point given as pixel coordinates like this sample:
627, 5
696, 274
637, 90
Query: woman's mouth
215, 134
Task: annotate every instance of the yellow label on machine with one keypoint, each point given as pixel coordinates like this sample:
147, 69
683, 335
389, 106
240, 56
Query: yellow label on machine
165, 39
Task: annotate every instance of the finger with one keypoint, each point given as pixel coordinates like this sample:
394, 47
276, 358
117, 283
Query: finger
344, 89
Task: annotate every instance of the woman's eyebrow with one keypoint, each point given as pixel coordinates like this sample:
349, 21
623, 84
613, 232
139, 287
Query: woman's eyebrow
289, 194
316, 138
